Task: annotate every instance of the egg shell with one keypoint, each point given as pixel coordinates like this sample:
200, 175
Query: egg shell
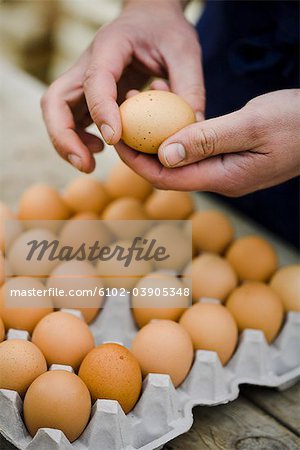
212, 231
2, 330
150, 117
256, 305
21, 362
63, 339
148, 307
212, 276
2, 268
110, 371
211, 327
85, 216
20, 249
286, 283
169, 205
124, 182
177, 245
10, 227
57, 399
163, 346
42, 202
126, 209
115, 274
74, 233
77, 275
86, 194
253, 258
23, 312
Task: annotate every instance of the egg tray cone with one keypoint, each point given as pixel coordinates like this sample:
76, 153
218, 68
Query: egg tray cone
162, 412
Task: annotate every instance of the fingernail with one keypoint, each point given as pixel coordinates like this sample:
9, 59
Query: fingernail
107, 133
174, 154
75, 161
199, 116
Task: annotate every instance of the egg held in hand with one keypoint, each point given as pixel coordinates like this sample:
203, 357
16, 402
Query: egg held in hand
150, 117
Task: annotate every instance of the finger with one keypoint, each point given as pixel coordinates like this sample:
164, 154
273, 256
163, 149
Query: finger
226, 134
160, 85
110, 57
186, 75
62, 131
132, 93
93, 143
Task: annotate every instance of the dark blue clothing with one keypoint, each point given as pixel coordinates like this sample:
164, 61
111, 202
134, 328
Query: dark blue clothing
251, 48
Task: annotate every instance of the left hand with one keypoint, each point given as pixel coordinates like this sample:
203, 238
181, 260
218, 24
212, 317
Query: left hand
253, 148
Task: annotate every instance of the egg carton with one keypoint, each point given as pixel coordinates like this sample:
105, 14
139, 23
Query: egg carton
162, 412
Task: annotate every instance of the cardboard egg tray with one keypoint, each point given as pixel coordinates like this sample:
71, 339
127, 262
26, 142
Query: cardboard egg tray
162, 412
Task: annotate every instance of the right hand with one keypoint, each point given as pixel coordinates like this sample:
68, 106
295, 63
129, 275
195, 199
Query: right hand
150, 38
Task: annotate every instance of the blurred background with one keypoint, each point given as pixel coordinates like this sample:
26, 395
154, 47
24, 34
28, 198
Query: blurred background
44, 37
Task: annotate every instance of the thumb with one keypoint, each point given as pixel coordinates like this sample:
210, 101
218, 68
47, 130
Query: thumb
226, 134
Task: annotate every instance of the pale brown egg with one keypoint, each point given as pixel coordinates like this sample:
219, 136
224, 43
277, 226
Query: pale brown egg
78, 280
110, 371
32, 253
211, 327
21, 362
286, 282
124, 182
85, 216
150, 117
115, 274
86, 194
75, 233
256, 305
2, 330
42, 202
126, 209
163, 346
212, 231
10, 227
169, 302
2, 268
63, 339
57, 399
25, 311
176, 244
212, 276
253, 258
169, 205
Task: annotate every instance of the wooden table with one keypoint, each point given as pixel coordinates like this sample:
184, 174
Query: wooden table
261, 418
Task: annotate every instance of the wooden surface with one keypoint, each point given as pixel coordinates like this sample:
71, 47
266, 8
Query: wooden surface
261, 419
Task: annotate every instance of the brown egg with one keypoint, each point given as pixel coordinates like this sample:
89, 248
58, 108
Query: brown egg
2, 330
42, 202
21, 362
126, 209
256, 305
57, 399
253, 258
169, 306
25, 311
10, 227
212, 276
286, 282
150, 117
63, 339
169, 205
85, 216
211, 327
163, 346
177, 245
212, 231
23, 248
124, 182
2, 268
86, 194
74, 233
115, 274
110, 371
71, 276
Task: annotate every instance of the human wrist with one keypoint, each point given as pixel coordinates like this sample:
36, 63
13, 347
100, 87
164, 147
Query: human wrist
178, 5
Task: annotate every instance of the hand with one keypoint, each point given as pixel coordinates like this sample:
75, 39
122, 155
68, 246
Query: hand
247, 150
148, 39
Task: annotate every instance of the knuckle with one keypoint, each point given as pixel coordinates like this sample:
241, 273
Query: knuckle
203, 142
